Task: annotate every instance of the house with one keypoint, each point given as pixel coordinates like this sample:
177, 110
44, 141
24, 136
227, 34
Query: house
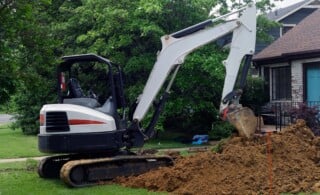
291, 64
288, 17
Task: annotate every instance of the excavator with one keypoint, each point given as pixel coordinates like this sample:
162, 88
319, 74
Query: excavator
95, 140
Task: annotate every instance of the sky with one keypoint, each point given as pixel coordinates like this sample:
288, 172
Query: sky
285, 3
278, 4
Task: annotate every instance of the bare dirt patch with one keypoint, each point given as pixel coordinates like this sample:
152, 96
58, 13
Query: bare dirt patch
243, 167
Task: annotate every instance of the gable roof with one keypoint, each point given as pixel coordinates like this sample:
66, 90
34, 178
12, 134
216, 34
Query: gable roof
279, 14
303, 39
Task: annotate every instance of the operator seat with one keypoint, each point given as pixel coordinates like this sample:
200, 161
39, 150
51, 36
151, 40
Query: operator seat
75, 89
109, 107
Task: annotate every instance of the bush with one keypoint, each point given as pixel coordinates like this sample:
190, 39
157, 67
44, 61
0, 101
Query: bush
28, 101
309, 114
254, 95
220, 130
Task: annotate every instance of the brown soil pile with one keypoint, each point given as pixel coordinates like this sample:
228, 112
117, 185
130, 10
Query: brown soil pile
243, 167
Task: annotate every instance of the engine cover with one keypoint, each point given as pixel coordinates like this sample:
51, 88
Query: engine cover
66, 128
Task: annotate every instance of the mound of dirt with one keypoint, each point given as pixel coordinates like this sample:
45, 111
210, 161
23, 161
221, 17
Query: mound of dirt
243, 167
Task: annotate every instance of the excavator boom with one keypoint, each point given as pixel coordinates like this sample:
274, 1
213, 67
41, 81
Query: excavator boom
176, 46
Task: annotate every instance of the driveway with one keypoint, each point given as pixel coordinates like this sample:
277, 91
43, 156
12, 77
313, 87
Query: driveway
6, 118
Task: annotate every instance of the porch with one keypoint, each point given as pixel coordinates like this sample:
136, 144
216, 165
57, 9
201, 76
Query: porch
274, 116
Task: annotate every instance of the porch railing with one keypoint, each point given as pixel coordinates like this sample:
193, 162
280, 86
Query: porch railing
279, 113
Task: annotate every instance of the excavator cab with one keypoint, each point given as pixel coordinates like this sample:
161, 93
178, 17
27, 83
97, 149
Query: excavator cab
92, 81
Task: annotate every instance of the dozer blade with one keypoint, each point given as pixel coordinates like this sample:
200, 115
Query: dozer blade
244, 120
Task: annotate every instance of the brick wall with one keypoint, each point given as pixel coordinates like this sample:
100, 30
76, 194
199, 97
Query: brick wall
297, 81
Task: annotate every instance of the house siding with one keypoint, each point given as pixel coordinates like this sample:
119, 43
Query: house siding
298, 16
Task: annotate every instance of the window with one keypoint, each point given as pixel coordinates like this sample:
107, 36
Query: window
281, 83
285, 28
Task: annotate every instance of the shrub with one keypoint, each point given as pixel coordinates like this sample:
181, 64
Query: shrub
220, 129
254, 95
309, 114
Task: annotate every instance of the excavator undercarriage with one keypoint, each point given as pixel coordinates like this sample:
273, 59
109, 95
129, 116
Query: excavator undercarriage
86, 170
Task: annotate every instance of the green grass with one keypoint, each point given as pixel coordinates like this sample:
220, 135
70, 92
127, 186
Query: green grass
16, 179
14, 144
166, 140
164, 144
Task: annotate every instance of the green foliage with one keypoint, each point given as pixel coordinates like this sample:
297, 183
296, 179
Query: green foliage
262, 5
254, 95
9, 24
263, 23
29, 102
220, 130
197, 90
129, 32
263, 27
27, 60
8, 107
33, 34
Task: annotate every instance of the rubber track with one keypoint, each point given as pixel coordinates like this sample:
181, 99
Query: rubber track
87, 172
50, 167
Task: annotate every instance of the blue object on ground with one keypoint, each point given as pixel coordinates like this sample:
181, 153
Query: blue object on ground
200, 139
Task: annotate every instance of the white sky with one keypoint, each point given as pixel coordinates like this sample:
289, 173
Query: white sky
285, 3
278, 4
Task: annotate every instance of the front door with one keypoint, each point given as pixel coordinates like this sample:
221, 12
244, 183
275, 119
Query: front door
313, 83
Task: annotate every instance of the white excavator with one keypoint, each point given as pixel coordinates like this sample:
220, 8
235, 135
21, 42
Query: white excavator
95, 138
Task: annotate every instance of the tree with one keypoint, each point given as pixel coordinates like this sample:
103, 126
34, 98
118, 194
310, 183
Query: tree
27, 58
197, 91
127, 32
7, 45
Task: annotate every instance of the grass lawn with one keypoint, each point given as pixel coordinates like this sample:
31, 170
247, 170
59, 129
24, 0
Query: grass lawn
14, 144
15, 178
164, 144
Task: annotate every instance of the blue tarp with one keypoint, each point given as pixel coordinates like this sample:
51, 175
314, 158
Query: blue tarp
200, 139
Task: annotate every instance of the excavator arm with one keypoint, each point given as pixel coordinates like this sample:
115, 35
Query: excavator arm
176, 46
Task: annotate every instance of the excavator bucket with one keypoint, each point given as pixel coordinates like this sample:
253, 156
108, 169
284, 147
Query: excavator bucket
244, 120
